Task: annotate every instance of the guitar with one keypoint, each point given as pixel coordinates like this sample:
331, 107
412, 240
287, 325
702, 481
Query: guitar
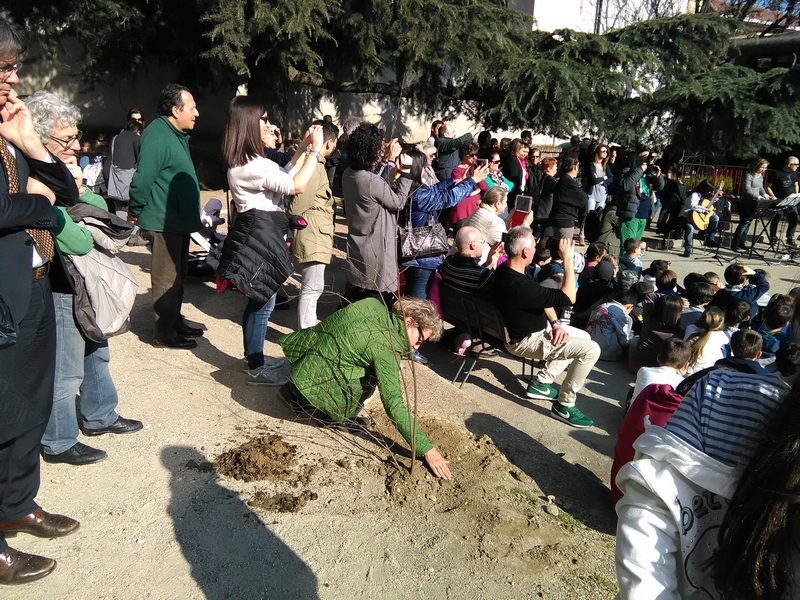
700, 220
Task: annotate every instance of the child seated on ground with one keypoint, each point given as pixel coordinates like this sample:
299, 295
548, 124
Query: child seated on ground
737, 315
743, 284
541, 258
708, 339
673, 360
777, 317
630, 261
656, 268
657, 400
666, 285
611, 326
594, 254
698, 295
715, 280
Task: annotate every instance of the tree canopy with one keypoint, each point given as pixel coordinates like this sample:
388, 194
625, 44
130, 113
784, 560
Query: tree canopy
659, 80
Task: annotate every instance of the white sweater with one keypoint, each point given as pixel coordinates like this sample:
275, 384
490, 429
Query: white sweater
261, 184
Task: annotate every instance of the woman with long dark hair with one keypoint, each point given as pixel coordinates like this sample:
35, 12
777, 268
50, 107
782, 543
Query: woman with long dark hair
596, 184
254, 255
425, 203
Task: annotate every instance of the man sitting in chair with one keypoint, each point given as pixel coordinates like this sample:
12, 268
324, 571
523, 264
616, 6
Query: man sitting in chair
527, 307
461, 271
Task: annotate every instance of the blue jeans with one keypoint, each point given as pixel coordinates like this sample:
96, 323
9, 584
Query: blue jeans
417, 280
80, 365
254, 328
688, 230
740, 235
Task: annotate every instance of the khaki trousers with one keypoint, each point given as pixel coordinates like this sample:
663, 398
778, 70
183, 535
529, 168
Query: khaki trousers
576, 356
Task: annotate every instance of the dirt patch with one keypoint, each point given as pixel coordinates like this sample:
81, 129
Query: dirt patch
265, 458
282, 502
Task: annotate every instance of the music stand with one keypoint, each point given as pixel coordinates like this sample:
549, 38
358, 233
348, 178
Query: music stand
764, 213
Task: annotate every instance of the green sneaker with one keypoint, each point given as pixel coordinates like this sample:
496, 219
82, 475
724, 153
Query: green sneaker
545, 391
570, 415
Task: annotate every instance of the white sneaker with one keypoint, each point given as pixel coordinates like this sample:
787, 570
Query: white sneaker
264, 376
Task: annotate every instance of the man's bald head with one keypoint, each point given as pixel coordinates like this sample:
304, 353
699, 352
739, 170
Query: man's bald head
469, 242
446, 130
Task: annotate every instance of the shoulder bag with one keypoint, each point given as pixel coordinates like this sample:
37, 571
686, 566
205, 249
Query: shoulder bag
421, 242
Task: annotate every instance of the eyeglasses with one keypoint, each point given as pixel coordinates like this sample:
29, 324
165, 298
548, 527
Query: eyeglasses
481, 241
473, 155
603, 151
794, 164
265, 119
497, 162
421, 334
69, 141
9, 69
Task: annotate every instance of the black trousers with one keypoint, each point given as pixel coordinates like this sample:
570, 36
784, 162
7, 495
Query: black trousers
167, 273
791, 220
27, 368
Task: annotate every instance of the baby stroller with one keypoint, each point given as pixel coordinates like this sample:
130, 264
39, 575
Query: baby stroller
206, 238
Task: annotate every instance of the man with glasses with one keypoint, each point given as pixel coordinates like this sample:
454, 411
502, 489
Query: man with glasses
784, 184
165, 200
31, 269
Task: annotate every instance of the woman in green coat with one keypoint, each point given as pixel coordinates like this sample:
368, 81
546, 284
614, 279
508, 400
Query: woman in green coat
334, 363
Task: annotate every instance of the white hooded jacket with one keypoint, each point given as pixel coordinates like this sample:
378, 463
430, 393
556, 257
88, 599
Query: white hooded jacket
675, 498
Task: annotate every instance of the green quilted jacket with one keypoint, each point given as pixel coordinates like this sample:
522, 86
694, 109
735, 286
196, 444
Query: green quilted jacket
329, 360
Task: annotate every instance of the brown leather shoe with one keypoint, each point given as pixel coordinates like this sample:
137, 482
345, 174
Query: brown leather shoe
41, 524
19, 567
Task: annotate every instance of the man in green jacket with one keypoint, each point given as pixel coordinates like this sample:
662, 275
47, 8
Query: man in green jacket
165, 200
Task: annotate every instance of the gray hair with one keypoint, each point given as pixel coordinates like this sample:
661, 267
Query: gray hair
12, 40
517, 239
49, 112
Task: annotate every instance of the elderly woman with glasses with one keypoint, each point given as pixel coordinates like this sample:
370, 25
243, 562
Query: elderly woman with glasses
81, 365
337, 364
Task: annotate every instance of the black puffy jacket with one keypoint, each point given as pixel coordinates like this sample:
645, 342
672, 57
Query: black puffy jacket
254, 256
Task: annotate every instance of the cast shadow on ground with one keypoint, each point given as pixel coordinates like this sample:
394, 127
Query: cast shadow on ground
231, 552
507, 383
588, 498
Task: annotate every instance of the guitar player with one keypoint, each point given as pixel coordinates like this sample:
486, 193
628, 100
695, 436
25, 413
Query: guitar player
694, 203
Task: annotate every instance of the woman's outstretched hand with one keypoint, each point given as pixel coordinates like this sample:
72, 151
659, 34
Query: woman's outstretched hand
437, 464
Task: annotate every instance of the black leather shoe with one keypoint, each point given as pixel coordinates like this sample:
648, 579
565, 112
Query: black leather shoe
79, 454
180, 343
41, 524
18, 567
121, 425
190, 332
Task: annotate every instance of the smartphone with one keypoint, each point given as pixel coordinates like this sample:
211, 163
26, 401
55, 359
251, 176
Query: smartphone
482, 162
405, 160
523, 207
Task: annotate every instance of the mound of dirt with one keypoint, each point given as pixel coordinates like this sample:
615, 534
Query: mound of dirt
268, 457
281, 502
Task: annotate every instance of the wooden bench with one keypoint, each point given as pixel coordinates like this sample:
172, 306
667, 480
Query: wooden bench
483, 323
